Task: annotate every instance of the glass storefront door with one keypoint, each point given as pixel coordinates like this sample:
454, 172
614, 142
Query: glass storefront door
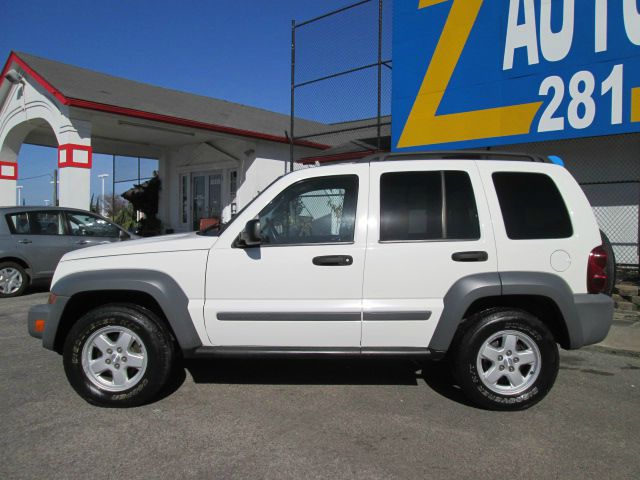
206, 194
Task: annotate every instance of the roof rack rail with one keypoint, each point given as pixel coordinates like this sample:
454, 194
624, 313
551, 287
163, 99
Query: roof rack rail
460, 155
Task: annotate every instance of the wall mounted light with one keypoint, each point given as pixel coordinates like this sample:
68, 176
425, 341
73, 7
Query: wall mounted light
13, 76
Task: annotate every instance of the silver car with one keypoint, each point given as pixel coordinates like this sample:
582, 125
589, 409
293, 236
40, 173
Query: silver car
33, 239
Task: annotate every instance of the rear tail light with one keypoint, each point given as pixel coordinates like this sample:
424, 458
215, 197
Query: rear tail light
597, 271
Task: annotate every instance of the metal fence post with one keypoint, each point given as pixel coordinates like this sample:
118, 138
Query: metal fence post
379, 120
293, 96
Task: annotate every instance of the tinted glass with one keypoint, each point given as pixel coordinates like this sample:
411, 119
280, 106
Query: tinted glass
412, 204
19, 223
37, 223
46, 223
532, 207
91, 226
320, 210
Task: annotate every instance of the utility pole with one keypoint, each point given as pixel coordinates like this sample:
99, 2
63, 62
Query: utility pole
19, 189
102, 176
55, 187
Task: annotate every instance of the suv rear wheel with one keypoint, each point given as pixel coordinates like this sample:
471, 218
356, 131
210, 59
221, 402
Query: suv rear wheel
118, 356
505, 359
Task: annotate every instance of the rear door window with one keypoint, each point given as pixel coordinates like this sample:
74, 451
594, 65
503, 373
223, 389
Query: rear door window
418, 206
37, 223
532, 206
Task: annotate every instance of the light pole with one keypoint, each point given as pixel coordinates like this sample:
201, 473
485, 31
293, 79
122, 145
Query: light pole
54, 183
19, 189
102, 176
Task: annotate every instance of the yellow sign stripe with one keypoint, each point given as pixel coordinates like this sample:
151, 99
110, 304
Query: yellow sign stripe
635, 104
424, 126
428, 3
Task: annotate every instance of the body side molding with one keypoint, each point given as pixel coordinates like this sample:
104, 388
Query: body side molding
313, 352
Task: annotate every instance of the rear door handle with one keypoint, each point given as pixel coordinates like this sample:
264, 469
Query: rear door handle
333, 260
24, 241
82, 242
470, 257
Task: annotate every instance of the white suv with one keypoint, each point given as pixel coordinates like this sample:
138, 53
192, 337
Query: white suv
488, 260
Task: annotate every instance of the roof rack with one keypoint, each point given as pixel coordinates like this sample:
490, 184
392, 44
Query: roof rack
459, 155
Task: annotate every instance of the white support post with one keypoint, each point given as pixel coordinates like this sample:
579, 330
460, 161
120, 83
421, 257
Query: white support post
75, 158
8, 177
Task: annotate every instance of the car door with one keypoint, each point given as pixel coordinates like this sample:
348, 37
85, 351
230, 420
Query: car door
429, 228
86, 230
40, 238
302, 287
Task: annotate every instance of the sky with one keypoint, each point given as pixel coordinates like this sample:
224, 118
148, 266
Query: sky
236, 50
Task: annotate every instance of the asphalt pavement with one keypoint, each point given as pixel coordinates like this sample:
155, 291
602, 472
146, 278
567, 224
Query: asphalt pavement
312, 419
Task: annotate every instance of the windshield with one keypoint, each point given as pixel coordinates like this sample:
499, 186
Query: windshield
215, 230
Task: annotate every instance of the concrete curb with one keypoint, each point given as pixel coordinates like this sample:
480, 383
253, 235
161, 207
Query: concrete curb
623, 338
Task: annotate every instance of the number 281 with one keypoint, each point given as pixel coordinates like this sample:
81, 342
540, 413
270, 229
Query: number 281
581, 89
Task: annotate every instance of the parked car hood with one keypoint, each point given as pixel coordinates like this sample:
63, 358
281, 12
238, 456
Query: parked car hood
165, 243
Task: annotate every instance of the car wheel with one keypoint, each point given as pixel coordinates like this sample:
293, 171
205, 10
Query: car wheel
505, 359
611, 264
13, 280
118, 356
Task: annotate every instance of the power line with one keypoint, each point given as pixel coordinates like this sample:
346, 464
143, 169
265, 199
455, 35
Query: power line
37, 176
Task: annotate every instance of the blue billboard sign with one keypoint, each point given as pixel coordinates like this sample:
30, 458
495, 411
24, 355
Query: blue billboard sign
473, 73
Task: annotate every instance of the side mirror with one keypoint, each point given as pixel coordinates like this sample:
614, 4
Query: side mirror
251, 235
122, 235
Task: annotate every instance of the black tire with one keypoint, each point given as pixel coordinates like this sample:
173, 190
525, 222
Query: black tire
480, 328
157, 348
611, 264
24, 282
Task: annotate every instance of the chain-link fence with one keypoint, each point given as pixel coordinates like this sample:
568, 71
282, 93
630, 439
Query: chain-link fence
341, 82
608, 169
341, 99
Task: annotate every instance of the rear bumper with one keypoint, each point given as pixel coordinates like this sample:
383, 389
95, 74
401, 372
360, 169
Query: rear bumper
595, 315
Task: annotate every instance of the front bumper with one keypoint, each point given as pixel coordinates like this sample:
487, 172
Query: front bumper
37, 314
49, 315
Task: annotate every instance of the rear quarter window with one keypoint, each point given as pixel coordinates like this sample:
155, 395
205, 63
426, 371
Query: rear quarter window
532, 206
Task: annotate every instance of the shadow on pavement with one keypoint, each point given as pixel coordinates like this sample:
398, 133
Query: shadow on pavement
334, 371
40, 287
298, 371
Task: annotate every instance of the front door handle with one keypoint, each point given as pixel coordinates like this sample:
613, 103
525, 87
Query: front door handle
82, 242
24, 241
333, 260
470, 257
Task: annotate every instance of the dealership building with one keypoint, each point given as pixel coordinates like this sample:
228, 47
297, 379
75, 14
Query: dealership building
214, 156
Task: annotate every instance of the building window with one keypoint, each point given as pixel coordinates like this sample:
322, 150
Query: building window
532, 207
233, 190
184, 198
418, 206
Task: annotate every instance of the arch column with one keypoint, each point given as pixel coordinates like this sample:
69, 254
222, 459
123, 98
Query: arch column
8, 177
75, 157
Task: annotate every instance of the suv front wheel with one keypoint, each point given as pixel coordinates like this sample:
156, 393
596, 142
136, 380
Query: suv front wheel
505, 359
118, 355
